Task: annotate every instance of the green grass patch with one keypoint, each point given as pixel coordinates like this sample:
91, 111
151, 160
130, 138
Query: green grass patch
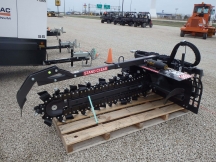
168, 23
85, 16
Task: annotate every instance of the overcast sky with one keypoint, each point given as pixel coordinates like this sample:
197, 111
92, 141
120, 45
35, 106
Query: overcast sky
169, 6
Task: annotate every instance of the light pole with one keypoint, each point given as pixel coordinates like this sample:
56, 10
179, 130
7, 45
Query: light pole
130, 5
122, 7
64, 7
176, 10
175, 13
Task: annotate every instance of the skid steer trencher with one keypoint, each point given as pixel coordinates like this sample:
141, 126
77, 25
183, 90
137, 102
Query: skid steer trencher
175, 80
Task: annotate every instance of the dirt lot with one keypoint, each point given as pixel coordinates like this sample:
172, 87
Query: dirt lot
188, 138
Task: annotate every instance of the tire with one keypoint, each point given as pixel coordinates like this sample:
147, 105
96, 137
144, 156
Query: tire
182, 34
102, 21
123, 24
108, 22
135, 24
150, 25
143, 25
204, 35
130, 24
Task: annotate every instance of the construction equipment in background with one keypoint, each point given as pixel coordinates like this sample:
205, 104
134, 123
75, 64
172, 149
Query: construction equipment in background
200, 23
175, 80
51, 14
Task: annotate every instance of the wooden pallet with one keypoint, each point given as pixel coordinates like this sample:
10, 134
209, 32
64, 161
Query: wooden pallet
116, 121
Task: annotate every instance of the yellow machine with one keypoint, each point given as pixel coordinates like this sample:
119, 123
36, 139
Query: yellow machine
51, 14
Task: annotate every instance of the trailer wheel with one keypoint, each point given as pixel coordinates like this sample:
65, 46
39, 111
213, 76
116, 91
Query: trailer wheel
108, 22
204, 35
135, 24
102, 21
143, 25
182, 34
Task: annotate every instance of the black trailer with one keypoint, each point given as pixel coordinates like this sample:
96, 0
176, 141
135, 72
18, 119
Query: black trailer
143, 19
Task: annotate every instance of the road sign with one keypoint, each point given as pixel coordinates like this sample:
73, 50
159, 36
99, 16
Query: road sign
58, 2
99, 6
106, 6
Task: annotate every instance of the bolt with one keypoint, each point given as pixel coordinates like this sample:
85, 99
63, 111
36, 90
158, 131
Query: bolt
54, 107
32, 79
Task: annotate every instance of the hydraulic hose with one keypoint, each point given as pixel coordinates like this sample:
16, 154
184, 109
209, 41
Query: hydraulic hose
193, 48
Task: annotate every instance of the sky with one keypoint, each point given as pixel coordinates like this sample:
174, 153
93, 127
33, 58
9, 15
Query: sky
169, 6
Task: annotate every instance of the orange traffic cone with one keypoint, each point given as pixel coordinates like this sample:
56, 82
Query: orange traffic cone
109, 57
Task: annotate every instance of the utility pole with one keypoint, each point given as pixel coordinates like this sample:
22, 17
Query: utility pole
64, 7
130, 5
122, 7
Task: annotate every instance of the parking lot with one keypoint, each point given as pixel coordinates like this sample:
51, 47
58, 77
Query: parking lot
187, 138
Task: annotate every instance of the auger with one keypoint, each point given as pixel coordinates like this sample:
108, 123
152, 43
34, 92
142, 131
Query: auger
175, 80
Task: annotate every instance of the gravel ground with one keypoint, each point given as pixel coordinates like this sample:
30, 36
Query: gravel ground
187, 138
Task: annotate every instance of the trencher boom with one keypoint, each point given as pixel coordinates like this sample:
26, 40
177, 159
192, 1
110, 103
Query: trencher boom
174, 79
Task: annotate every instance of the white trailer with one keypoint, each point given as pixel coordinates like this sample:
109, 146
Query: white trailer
23, 32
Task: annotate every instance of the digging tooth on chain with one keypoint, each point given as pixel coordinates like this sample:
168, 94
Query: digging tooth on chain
111, 81
73, 87
103, 105
66, 90
56, 91
83, 112
69, 116
88, 84
102, 81
60, 118
48, 122
44, 96
135, 98
96, 108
